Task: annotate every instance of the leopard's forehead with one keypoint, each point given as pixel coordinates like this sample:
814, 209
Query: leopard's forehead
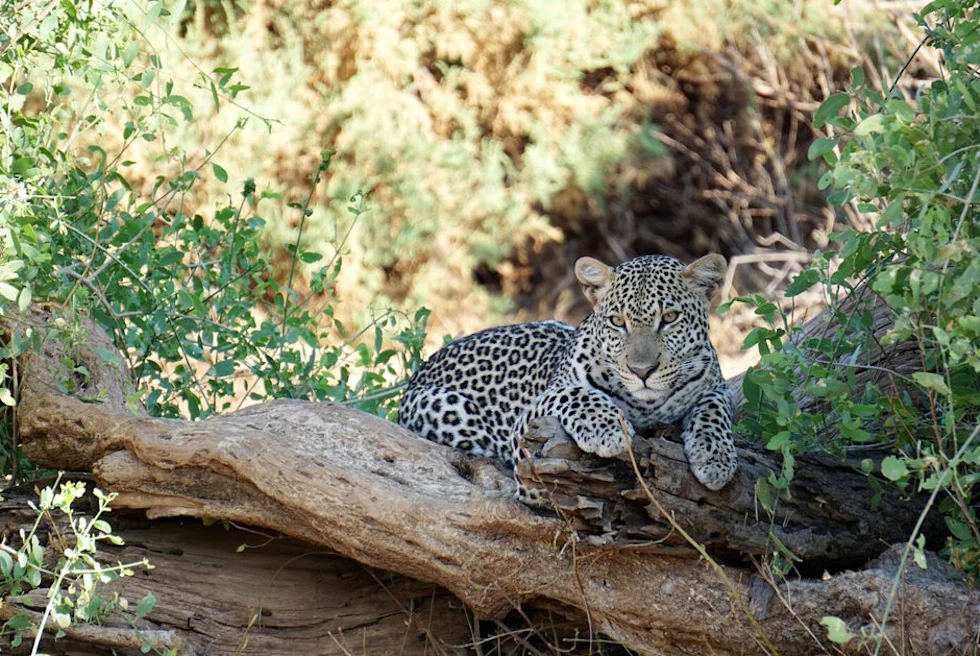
655, 266
647, 285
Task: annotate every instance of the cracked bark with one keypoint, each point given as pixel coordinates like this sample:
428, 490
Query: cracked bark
335, 478
277, 596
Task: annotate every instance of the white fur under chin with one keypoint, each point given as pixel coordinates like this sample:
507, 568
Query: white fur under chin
654, 389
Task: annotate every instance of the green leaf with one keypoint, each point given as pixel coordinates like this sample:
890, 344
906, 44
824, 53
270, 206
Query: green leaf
24, 298
145, 606
129, 55
777, 441
222, 369
219, 173
214, 96
61, 619
959, 530
872, 124
855, 433
825, 180
893, 468
181, 103
971, 323
8, 291
931, 381
821, 146
19, 622
101, 47
763, 492
857, 75
22, 165
966, 284
829, 108
836, 629
901, 110
803, 282
152, 14
7, 398
918, 552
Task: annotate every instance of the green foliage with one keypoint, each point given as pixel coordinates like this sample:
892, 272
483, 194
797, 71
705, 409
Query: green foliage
43, 48
73, 583
837, 631
912, 166
206, 321
207, 316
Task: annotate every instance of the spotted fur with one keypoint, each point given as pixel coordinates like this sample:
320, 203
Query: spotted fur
642, 357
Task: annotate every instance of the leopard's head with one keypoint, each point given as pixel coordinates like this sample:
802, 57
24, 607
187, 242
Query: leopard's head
649, 322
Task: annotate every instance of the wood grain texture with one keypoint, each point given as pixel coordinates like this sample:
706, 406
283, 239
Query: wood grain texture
278, 595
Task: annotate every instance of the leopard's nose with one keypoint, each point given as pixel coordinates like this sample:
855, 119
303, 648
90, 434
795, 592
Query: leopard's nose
643, 372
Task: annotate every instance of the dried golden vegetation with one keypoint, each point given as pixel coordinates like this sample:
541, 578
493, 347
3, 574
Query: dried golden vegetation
497, 142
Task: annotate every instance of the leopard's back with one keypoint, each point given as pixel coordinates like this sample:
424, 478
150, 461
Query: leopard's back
471, 393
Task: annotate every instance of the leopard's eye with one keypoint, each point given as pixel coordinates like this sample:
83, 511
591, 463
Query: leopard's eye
617, 321
669, 317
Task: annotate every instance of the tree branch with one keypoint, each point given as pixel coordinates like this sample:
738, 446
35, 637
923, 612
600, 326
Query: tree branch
367, 489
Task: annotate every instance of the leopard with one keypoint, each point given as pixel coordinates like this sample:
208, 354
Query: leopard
641, 358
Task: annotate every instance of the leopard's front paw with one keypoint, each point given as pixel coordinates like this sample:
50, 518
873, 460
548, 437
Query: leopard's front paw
606, 440
713, 463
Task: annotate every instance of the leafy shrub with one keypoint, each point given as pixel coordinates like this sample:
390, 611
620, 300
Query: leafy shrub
206, 317
74, 594
482, 149
912, 167
205, 320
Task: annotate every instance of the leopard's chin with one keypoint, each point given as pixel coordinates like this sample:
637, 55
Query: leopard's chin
652, 389
648, 395
646, 392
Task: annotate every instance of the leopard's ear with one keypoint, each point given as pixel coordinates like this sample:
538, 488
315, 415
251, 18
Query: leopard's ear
704, 276
595, 277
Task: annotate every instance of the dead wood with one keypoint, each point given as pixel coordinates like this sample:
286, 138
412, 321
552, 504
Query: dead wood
277, 595
827, 520
362, 487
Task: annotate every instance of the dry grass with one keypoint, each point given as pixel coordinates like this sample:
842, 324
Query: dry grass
499, 142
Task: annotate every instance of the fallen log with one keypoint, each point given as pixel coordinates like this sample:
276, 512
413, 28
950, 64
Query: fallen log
222, 589
364, 488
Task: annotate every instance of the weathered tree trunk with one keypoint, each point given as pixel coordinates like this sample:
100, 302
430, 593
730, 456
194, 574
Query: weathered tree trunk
366, 489
279, 595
